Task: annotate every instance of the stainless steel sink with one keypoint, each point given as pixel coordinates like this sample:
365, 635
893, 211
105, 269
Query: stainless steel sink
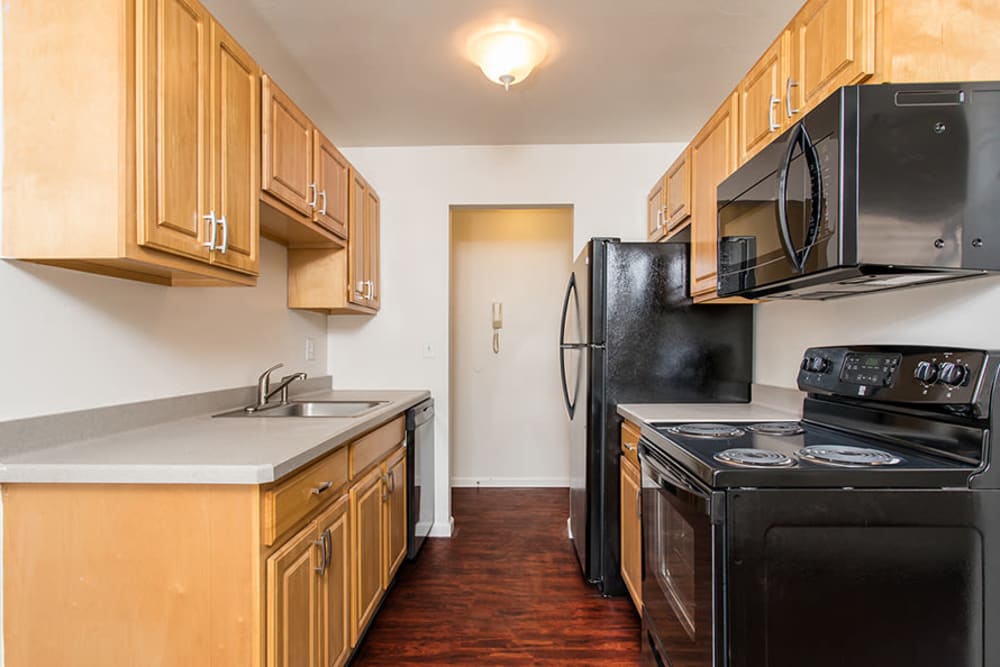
311, 409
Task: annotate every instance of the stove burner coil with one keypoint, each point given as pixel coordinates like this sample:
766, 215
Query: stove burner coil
853, 457
753, 458
707, 430
777, 428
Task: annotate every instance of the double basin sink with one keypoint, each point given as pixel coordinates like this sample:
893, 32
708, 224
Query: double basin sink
343, 409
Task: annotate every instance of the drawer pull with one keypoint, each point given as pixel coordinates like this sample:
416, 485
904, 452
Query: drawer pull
317, 490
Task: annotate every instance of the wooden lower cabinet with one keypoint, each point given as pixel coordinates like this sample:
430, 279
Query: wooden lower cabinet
631, 530
366, 507
183, 575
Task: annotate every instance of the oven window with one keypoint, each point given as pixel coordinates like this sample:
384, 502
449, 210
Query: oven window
675, 561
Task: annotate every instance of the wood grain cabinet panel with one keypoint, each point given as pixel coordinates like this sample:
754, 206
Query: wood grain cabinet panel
833, 45
177, 193
373, 232
631, 530
763, 114
332, 178
367, 506
655, 226
677, 193
395, 515
292, 602
335, 585
287, 150
713, 158
357, 263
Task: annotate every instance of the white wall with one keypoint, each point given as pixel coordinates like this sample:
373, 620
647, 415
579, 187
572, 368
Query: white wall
508, 423
606, 184
960, 314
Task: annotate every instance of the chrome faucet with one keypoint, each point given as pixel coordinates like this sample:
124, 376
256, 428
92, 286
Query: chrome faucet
264, 391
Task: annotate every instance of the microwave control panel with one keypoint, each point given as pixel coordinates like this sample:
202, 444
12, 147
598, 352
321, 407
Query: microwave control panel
899, 374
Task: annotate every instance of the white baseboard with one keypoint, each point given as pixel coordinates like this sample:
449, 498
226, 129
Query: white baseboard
443, 528
507, 482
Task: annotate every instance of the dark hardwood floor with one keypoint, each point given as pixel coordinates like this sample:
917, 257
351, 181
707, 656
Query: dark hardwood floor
506, 589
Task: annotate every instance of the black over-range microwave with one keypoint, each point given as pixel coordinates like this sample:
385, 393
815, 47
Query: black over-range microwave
878, 187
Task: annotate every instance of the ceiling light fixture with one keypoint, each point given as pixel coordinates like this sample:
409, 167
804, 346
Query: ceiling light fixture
507, 52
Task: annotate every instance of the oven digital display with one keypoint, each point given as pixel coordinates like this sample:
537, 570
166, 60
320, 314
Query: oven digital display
870, 369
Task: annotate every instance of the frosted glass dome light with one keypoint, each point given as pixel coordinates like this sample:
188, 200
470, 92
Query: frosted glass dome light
507, 53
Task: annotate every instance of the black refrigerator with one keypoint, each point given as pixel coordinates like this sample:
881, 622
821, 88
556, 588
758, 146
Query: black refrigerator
631, 334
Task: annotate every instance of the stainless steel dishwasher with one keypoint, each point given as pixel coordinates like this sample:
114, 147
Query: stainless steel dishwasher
420, 480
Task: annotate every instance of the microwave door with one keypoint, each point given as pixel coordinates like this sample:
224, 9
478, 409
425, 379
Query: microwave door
800, 198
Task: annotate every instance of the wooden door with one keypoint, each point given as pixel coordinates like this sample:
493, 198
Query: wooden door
357, 242
631, 531
677, 192
373, 230
286, 150
713, 158
235, 113
654, 212
395, 516
335, 585
174, 142
366, 550
332, 179
762, 116
292, 596
833, 45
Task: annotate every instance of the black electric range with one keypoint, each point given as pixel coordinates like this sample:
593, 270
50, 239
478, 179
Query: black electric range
877, 514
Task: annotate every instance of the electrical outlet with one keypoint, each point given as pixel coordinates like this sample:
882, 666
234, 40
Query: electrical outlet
310, 349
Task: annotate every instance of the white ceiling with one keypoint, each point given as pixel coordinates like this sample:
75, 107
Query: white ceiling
391, 73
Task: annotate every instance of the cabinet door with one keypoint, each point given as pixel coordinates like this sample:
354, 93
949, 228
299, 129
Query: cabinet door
713, 158
762, 116
677, 192
631, 531
357, 242
833, 45
395, 516
286, 150
292, 595
331, 173
367, 505
235, 112
173, 93
654, 212
373, 230
335, 585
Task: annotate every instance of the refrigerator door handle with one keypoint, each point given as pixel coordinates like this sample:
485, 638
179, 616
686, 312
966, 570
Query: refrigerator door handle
563, 345
565, 309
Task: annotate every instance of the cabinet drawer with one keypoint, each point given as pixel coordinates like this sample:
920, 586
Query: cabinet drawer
373, 447
630, 442
291, 501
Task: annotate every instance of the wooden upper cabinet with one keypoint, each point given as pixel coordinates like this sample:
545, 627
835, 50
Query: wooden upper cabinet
713, 158
332, 179
292, 595
654, 212
357, 249
235, 132
833, 45
175, 192
287, 151
373, 231
677, 193
763, 113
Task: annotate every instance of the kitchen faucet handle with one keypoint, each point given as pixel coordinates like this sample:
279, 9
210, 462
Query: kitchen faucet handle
265, 377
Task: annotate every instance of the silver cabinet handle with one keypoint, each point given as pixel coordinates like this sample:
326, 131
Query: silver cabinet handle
371, 289
361, 287
317, 490
638, 504
321, 543
392, 479
322, 210
329, 548
789, 84
225, 235
770, 113
629, 447
213, 223
315, 190
385, 488
659, 219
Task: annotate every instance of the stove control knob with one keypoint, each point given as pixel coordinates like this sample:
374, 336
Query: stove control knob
926, 372
818, 365
953, 375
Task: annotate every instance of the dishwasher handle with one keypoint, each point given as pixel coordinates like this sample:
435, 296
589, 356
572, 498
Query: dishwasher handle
420, 414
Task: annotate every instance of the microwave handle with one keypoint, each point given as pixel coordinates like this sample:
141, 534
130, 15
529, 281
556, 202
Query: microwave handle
816, 185
784, 233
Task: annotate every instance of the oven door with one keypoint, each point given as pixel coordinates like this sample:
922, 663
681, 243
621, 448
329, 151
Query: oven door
682, 537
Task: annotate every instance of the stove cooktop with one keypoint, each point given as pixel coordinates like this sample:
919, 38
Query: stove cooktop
798, 454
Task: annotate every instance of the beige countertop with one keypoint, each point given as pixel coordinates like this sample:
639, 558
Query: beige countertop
205, 450
769, 404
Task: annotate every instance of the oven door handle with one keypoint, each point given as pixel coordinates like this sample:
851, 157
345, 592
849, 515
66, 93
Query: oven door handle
673, 480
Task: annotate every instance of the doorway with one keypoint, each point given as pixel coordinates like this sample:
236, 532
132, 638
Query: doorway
508, 271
